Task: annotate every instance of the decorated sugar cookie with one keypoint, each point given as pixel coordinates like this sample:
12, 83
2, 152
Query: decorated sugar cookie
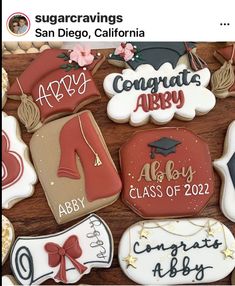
5, 84
65, 256
133, 54
223, 79
18, 174
166, 172
8, 237
158, 95
226, 168
8, 280
56, 83
70, 154
185, 251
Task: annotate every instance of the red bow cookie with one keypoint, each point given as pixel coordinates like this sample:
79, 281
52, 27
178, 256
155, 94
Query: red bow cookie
56, 256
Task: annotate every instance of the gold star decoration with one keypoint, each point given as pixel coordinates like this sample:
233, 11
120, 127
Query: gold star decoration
228, 253
210, 232
130, 261
144, 233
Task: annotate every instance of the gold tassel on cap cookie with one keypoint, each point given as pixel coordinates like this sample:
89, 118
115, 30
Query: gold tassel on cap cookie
28, 112
223, 79
196, 63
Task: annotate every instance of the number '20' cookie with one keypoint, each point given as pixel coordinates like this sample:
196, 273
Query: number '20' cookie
18, 174
74, 166
166, 172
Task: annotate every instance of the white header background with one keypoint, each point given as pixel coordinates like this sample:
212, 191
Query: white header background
162, 20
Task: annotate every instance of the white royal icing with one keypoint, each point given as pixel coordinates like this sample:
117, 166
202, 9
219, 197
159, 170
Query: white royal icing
29, 260
121, 108
227, 201
182, 245
23, 186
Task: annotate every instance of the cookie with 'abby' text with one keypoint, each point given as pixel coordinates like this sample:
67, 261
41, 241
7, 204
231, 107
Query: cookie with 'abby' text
160, 252
74, 166
65, 256
56, 83
166, 172
137, 96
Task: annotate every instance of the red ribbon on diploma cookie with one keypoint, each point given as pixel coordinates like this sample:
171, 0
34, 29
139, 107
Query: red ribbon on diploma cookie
56, 256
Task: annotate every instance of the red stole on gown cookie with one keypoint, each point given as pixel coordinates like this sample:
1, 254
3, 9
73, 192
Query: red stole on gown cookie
78, 137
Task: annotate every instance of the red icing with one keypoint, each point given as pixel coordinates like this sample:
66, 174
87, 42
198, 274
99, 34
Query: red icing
100, 181
12, 164
63, 91
183, 191
155, 101
46, 70
56, 256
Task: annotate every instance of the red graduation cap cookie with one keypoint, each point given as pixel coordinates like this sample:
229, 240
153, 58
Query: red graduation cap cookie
166, 172
56, 83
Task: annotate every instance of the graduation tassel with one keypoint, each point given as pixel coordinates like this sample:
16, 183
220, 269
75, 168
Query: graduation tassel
196, 63
28, 112
223, 78
98, 161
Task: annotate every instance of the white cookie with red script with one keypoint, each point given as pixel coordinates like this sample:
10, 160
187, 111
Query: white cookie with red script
144, 94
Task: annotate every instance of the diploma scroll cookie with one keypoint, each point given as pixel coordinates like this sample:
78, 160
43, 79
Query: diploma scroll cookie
166, 172
137, 96
8, 237
70, 154
226, 168
65, 256
18, 174
160, 252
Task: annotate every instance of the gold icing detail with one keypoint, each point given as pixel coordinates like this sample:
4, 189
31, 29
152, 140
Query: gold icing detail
28, 113
6, 236
223, 78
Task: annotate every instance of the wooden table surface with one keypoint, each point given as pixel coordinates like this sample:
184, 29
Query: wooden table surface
33, 217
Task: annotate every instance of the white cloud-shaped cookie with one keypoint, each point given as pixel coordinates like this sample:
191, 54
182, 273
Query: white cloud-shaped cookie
123, 105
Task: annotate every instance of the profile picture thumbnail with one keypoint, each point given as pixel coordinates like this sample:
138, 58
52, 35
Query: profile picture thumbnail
18, 24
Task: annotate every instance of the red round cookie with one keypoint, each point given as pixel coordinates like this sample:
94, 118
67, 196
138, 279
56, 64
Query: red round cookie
166, 172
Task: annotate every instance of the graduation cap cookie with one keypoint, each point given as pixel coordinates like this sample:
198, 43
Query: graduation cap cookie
57, 82
133, 54
166, 172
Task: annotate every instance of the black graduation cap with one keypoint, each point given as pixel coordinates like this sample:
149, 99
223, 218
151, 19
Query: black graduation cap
231, 167
154, 53
164, 146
